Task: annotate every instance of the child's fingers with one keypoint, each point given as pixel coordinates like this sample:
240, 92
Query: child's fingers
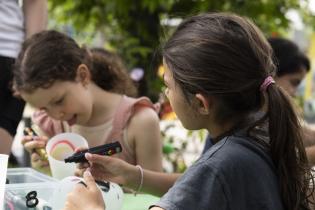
89, 180
83, 165
37, 162
26, 139
79, 172
80, 149
31, 145
99, 159
35, 157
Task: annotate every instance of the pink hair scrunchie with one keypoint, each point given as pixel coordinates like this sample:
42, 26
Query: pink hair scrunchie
269, 80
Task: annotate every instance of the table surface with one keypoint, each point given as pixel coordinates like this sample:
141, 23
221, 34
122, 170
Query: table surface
138, 202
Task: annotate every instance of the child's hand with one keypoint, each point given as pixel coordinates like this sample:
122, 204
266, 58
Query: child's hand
109, 168
85, 197
81, 167
31, 144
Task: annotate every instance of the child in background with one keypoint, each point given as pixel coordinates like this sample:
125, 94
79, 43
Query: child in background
219, 76
79, 91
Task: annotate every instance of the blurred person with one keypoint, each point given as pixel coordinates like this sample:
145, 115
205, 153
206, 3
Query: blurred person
292, 64
292, 67
16, 24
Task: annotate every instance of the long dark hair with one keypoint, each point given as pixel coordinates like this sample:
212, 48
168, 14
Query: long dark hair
51, 56
289, 58
226, 56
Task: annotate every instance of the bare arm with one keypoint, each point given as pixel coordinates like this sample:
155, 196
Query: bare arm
35, 13
156, 183
144, 131
119, 171
6, 141
88, 197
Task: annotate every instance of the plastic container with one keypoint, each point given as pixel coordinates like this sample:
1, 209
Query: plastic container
23, 181
16, 195
24, 176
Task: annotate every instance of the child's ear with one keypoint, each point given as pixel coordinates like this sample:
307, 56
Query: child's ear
203, 104
83, 74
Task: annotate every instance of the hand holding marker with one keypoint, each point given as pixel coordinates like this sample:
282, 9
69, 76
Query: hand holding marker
106, 149
40, 151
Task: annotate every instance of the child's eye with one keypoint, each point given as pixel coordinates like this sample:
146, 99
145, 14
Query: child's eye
59, 101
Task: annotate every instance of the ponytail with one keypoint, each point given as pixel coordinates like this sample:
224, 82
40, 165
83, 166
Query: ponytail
109, 73
287, 150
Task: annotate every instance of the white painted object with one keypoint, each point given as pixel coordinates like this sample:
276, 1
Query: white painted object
112, 196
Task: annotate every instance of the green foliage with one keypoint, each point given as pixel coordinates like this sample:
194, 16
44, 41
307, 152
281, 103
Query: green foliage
181, 147
133, 27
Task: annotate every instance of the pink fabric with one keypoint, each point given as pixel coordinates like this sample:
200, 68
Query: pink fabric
48, 125
126, 109
124, 112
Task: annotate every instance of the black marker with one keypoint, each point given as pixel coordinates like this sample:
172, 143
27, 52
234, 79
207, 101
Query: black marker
106, 149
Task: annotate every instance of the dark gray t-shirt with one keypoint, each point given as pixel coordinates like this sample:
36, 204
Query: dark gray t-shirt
235, 173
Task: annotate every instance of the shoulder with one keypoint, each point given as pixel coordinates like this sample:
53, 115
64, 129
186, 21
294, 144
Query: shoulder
199, 179
145, 116
143, 110
235, 151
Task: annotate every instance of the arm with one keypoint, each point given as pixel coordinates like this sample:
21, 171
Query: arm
6, 141
144, 132
155, 183
88, 197
121, 172
35, 13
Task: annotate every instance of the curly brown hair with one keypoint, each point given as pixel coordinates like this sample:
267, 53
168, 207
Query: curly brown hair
51, 56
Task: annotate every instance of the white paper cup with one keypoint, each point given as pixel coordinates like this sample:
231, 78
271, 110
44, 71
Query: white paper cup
60, 147
3, 176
